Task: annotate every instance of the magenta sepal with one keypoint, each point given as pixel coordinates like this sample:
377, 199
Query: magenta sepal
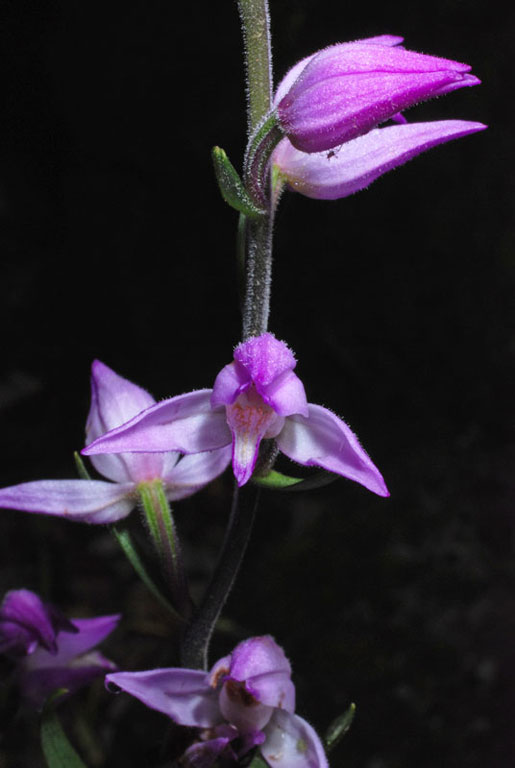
247, 696
115, 400
345, 90
357, 163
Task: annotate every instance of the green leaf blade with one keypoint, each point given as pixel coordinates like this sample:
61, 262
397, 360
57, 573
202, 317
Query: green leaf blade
57, 749
231, 186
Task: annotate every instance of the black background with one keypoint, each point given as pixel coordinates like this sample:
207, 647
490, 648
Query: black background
115, 244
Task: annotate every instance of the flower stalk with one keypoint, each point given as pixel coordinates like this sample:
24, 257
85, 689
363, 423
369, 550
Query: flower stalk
255, 244
196, 639
166, 542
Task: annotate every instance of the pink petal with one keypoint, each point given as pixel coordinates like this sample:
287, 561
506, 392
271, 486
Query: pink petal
286, 394
325, 441
292, 743
232, 380
37, 684
196, 470
356, 164
91, 633
25, 621
292, 75
184, 423
263, 666
182, 694
90, 501
348, 89
250, 420
114, 401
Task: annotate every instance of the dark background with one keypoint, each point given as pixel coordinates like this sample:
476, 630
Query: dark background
115, 244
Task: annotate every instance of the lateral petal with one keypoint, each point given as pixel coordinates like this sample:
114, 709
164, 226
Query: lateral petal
232, 380
89, 501
185, 423
325, 441
38, 683
196, 470
114, 401
355, 165
292, 743
183, 694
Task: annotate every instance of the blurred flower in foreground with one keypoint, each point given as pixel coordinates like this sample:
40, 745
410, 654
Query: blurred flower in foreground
256, 396
247, 700
49, 650
115, 400
332, 99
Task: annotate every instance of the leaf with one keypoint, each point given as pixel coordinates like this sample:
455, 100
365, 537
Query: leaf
81, 467
231, 186
278, 482
258, 762
339, 727
58, 751
124, 540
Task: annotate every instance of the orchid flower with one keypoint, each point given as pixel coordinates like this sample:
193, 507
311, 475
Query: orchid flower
51, 651
255, 397
115, 400
247, 700
333, 99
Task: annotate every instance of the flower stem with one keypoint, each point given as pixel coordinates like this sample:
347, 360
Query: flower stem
196, 639
164, 536
255, 22
258, 259
255, 251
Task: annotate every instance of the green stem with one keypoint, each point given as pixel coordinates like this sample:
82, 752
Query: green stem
198, 635
164, 536
255, 238
255, 22
256, 305
258, 261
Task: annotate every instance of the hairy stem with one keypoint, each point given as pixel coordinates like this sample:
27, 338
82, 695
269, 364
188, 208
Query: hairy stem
255, 240
196, 638
255, 22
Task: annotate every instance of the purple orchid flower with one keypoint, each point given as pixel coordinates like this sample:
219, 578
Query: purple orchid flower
331, 101
51, 651
115, 400
256, 396
247, 700
345, 90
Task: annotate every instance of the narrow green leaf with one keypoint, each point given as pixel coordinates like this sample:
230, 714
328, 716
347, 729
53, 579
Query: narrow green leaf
58, 751
258, 762
124, 540
339, 728
278, 482
231, 186
81, 467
